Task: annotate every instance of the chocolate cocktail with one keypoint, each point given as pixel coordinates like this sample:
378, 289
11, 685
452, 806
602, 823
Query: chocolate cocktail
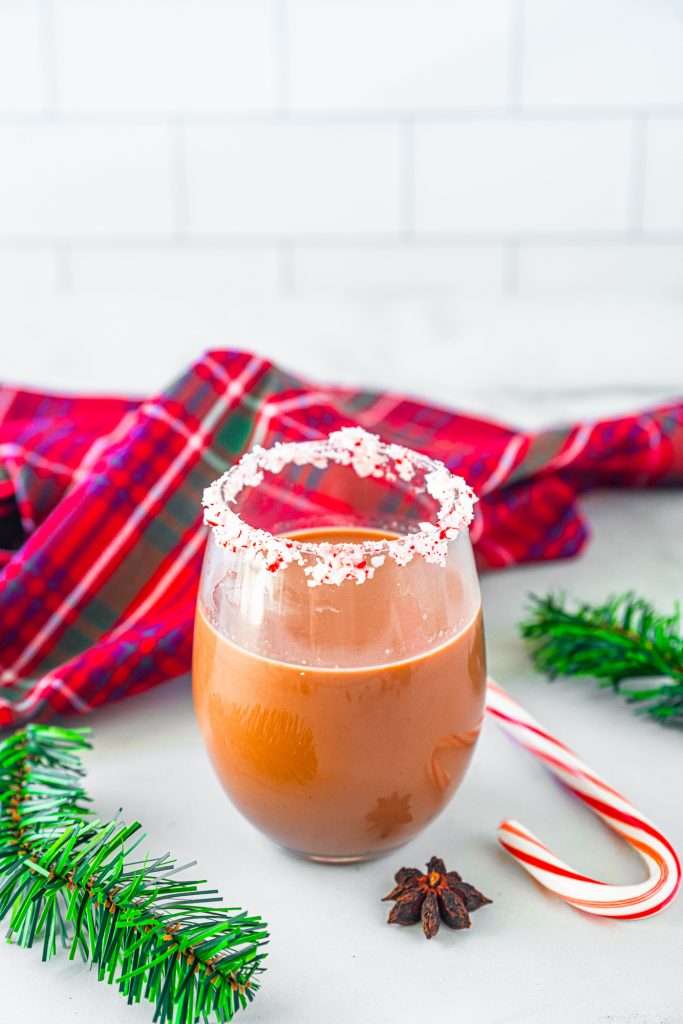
339, 669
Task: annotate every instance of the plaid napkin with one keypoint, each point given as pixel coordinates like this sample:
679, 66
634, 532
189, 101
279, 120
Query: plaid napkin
100, 529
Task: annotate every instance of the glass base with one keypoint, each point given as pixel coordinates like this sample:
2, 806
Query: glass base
342, 858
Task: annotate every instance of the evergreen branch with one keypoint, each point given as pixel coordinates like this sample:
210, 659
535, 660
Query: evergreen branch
623, 638
68, 878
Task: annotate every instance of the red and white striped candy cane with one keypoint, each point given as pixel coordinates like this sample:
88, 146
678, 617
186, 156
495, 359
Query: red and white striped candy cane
588, 894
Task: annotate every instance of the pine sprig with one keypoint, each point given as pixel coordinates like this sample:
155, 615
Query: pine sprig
68, 879
623, 638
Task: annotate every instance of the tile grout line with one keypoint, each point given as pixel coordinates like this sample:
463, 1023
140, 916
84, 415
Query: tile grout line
179, 180
280, 44
407, 181
515, 56
636, 210
48, 52
341, 118
340, 241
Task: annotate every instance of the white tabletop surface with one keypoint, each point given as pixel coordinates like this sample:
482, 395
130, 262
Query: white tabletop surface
528, 958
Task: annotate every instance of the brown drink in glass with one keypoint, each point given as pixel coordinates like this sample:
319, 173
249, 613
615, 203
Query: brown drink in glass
340, 694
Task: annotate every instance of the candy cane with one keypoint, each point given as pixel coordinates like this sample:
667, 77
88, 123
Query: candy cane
588, 894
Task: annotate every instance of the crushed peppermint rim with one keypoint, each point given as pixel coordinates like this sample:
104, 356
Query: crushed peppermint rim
368, 456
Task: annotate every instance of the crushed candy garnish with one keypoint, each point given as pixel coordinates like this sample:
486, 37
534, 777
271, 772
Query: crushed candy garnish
367, 456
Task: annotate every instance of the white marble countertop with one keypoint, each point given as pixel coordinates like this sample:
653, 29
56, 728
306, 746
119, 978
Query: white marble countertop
528, 958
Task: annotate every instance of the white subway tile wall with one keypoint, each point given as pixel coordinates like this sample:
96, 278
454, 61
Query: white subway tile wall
664, 175
397, 55
69, 181
164, 56
602, 52
201, 270
27, 272
22, 79
390, 267
271, 180
559, 269
371, 146
474, 178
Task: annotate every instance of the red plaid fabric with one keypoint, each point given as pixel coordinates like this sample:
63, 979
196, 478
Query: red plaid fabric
100, 530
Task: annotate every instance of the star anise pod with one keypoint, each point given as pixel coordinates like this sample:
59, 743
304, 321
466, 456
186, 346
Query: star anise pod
435, 894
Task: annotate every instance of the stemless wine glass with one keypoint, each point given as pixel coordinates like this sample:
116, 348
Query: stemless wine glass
339, 670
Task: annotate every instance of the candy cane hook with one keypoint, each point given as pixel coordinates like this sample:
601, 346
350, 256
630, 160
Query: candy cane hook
588, 894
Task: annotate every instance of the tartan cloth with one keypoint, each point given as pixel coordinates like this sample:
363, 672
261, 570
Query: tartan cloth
101, 537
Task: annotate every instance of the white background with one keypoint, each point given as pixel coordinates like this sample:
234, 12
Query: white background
214, 147
492, 194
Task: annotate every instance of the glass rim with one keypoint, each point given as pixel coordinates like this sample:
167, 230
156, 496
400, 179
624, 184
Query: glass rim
369, 457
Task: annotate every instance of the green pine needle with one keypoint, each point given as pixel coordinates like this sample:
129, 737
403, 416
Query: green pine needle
623, 638
67, 879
